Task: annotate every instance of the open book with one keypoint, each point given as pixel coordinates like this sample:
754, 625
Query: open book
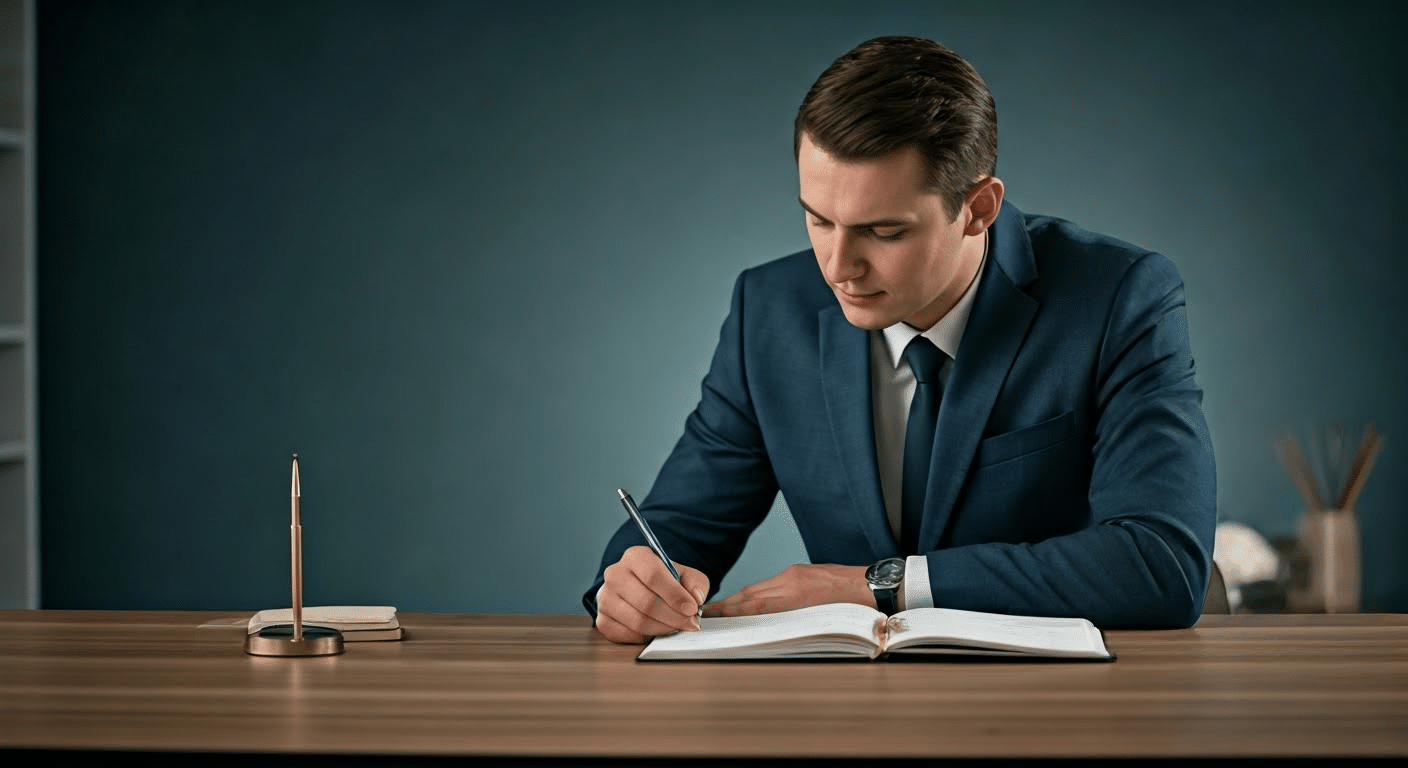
847, 630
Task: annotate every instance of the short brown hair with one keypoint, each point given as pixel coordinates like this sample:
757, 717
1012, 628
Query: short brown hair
891, 93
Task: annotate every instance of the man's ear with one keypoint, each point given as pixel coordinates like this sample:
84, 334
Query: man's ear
983, 203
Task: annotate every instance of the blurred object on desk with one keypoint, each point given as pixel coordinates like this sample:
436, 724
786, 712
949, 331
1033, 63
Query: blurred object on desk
1248, 563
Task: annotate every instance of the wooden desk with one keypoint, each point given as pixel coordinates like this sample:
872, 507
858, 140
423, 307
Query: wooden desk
550, 686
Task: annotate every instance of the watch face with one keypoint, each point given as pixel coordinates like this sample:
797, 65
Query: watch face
886, 573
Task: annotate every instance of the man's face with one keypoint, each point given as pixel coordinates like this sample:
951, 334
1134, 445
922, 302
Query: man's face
884, 242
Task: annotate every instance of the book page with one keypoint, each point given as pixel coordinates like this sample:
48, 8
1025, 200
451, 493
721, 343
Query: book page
837, 629
1035, 635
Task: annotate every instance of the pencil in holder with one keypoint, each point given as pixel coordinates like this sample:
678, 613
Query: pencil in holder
1328, 531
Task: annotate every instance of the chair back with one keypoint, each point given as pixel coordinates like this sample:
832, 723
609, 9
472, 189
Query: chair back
1216, 601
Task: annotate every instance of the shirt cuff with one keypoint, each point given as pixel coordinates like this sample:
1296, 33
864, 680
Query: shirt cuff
916, 592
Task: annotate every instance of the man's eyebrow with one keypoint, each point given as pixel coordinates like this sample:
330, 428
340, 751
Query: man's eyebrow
810, 209
861, 225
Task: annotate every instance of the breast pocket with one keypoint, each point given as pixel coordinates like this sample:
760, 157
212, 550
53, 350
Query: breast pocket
1027, 440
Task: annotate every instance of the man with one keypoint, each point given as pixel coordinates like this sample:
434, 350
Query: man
1006, 402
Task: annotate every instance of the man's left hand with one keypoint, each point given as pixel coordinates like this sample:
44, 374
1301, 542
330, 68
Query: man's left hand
797, 587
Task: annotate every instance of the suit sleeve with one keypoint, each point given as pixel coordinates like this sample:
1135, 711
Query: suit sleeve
1145, 558
717, 484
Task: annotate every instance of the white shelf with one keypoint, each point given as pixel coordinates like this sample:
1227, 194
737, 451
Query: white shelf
19, 477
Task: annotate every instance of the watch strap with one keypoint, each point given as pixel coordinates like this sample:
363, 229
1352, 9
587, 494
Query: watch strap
886, 599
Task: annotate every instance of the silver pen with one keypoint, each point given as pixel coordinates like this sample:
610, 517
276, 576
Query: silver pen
650, 539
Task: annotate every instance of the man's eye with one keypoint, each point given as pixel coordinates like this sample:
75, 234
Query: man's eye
887, 233
815, 222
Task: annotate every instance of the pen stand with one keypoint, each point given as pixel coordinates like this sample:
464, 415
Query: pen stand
278, 640
294, 639
1329, 539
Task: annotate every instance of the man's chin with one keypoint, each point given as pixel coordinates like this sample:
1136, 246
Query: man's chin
867, 320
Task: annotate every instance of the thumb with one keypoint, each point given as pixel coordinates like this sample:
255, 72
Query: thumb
694, 582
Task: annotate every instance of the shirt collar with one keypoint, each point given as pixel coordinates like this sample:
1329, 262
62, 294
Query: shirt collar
948, 332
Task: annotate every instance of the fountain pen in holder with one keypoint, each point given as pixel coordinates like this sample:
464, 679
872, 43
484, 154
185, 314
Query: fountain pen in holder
295, 639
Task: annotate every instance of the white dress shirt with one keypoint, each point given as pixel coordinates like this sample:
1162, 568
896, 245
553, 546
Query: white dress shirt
892, 389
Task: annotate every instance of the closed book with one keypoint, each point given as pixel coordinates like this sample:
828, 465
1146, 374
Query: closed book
355, 622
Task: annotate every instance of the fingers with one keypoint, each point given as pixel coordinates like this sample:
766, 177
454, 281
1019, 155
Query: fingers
615, 631
629, 626
760, 597
640, 599
749, 601
641, 565
798, 586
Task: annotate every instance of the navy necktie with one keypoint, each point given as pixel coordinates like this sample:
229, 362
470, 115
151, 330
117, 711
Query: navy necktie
925, 360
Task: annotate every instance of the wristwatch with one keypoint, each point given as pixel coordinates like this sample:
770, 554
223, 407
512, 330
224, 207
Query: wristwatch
885, 579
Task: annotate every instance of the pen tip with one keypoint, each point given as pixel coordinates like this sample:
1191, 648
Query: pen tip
622, 493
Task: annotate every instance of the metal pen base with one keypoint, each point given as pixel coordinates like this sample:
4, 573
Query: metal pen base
277, 640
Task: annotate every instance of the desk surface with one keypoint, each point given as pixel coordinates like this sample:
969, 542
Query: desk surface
549, 686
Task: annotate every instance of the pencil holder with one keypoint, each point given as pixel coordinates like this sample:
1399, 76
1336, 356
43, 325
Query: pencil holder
1330, 541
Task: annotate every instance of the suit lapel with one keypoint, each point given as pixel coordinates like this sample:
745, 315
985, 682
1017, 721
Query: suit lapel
997, 324
845, 378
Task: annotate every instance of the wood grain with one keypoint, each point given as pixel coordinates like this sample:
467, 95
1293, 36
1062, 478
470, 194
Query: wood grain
551, 686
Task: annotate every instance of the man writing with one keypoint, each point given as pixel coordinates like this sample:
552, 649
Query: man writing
963, 405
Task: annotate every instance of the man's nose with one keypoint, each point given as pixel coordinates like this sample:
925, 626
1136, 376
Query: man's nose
844, 261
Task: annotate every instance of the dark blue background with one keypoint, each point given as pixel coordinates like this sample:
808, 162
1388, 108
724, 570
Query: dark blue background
470, 260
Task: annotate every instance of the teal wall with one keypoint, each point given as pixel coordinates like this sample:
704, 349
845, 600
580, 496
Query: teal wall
469, 261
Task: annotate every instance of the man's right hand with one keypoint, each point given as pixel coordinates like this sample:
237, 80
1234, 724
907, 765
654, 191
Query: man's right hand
640, 599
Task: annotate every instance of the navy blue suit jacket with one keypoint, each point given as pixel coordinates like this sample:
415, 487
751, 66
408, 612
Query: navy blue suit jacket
1072, 471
